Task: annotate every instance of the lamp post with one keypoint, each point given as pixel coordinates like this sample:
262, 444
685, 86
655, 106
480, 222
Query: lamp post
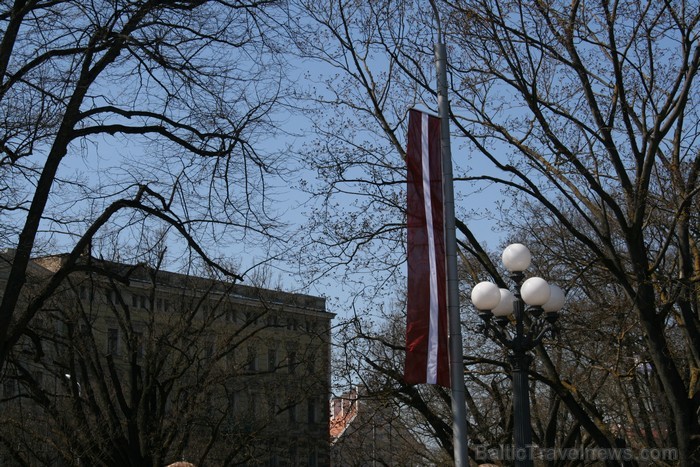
495, 305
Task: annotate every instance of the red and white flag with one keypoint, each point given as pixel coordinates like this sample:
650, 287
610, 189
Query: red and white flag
427, 359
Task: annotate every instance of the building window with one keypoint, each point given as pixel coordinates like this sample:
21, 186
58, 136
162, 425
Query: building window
84, 330
138, 343
292, 454
251, 318
111, 296
292, 414
310, 363
8, 389
86, 293
252, 359
292, 362
39, 323
231, 358
311, 411
271, 359
272, 320
271, 402
313, 458
232, 401
230, 316
61, 328
134, 300
253, 406
112, 341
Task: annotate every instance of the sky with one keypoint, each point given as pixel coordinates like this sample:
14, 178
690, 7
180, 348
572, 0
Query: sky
105, 159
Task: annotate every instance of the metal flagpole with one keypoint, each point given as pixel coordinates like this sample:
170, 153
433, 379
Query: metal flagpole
459, 411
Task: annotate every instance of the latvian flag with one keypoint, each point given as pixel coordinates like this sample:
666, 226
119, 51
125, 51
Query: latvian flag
427, 359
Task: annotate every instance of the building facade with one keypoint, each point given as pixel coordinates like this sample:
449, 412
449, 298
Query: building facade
130, 365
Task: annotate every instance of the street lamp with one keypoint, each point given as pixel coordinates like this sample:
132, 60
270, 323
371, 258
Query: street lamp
495, 304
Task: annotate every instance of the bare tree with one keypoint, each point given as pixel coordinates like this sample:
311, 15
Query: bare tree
604, 143
185, 88
132, 365
583, 114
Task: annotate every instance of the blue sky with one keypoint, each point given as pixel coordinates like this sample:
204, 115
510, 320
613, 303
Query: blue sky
107, 158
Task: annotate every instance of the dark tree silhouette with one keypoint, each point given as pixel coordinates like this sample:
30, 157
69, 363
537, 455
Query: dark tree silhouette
583, 114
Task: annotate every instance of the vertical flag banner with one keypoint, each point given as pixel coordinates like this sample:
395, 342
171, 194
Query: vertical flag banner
427, 359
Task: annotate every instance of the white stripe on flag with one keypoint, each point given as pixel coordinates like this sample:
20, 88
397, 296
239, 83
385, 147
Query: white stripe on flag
432, 363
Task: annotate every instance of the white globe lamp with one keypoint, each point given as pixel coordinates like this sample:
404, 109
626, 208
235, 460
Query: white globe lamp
485, 296
535, 291
505, 306
516, 257
556, 299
